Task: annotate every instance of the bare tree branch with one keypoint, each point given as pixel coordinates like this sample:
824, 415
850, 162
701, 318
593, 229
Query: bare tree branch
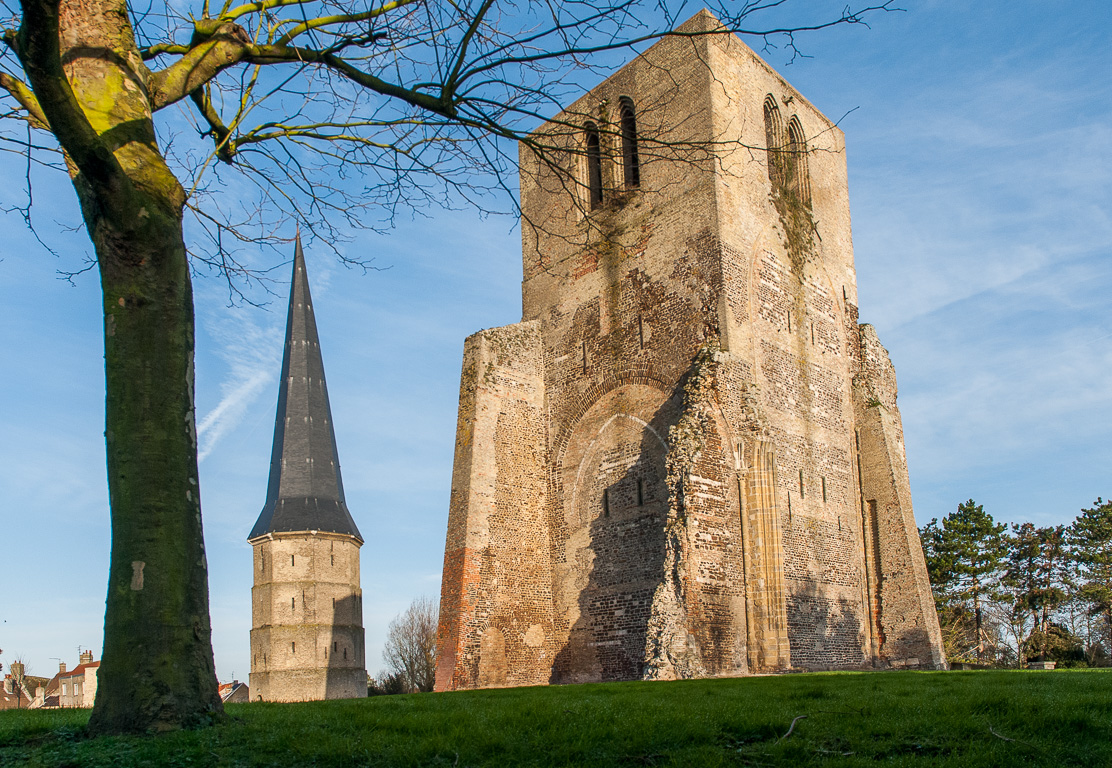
21, 93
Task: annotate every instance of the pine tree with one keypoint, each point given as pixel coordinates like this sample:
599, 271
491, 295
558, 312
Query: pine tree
964, 558
1090, 539
1036, 575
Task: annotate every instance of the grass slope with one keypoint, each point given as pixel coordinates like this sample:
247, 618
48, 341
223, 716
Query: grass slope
968, 719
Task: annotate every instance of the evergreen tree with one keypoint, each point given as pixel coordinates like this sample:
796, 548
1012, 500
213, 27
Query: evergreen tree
954, 618
1036, 575
1090, 539
964, 559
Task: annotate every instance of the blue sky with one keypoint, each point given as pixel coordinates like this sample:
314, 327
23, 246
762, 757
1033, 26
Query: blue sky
978, 139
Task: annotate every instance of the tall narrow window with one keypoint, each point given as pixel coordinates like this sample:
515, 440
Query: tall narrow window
606, 502
797, 179
594, 165
631, 161
640, 492
774, 141
801, 483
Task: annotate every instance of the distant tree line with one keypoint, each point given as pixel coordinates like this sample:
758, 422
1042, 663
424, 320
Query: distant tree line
1008, 594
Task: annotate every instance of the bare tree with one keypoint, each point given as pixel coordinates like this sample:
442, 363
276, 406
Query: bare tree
337, 113
410, 651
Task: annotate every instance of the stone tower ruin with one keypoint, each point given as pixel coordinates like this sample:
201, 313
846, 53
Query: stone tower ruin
307, 638
687, 459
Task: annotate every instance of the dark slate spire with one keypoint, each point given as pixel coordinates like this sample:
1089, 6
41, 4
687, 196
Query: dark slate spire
305, 491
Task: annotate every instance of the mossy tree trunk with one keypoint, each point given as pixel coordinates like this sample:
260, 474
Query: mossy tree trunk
157, 669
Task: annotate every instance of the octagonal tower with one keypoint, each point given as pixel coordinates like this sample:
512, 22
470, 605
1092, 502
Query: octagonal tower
307, 638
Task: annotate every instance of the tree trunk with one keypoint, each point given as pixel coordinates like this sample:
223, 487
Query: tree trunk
157, 669
1108, 621
977, 620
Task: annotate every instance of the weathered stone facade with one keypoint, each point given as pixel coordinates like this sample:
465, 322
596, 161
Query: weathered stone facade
307, 640
687, 459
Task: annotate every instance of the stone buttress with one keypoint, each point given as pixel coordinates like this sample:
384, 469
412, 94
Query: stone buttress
307, 639
687, 459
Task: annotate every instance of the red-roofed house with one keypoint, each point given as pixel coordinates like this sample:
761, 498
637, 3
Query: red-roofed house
79, 686
234, 692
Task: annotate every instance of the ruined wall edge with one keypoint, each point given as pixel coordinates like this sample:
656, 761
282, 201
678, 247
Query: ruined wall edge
501, 407
907, 620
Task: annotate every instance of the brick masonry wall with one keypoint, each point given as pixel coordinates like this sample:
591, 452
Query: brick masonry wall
903, 607
496, 623
307, 640
657, 472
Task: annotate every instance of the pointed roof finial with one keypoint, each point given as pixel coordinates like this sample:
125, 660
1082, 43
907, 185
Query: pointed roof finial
305, 492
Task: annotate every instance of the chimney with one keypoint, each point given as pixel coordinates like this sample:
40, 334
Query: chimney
86, 657
17, 669
61, 667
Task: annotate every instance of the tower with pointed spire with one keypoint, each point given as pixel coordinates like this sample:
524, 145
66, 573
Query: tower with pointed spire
307, 637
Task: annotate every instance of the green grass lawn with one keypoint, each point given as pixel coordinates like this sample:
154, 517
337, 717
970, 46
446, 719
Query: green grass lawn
981, 718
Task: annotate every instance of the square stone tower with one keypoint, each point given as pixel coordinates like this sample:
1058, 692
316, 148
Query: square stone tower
687, 459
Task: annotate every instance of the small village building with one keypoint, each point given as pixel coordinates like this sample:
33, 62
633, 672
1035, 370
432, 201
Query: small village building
78, 688
235, 692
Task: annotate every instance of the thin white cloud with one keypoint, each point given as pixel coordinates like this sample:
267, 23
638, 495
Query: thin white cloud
252, 354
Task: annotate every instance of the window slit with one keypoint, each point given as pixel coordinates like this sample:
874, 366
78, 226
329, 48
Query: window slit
594, 165
631, 162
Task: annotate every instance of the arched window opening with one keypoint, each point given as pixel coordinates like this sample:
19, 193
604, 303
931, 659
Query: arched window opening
594, 165
797, 179
631, 162
774, 142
